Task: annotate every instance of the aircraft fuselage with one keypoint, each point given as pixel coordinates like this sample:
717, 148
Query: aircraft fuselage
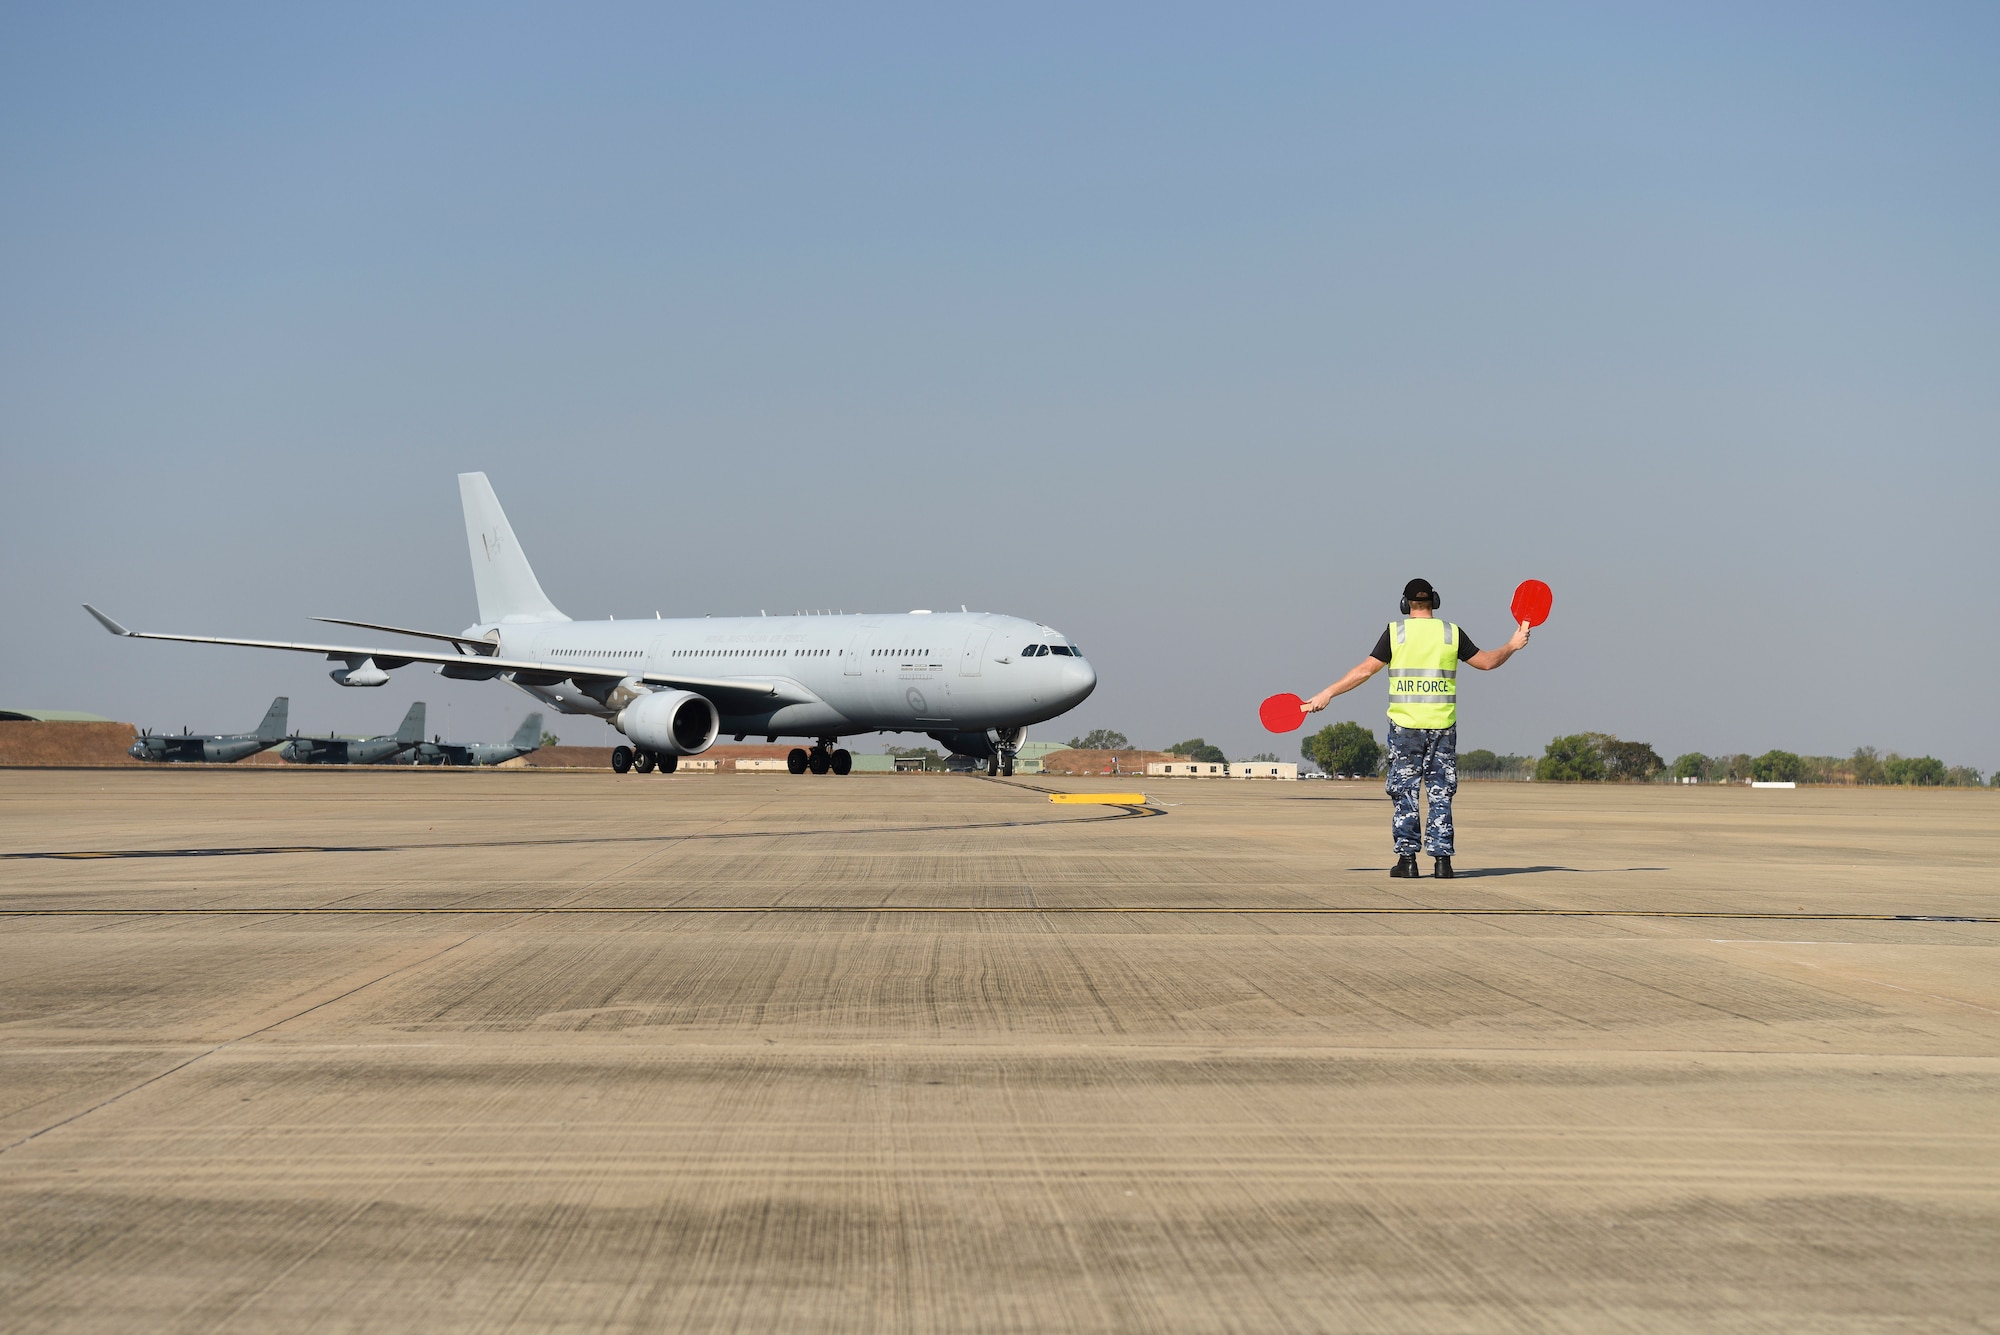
916, 672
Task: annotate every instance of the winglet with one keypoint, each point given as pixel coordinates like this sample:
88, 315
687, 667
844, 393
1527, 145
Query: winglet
106, 621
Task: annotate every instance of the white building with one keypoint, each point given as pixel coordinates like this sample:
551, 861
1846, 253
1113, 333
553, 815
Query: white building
1205, 769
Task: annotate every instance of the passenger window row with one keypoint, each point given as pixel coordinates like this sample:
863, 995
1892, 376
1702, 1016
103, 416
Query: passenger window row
597, 653
899, 653
745, 653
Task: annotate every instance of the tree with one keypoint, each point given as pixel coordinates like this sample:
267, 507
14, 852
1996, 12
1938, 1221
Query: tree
1915, 771
1630, 762
1572, 759
1693, 765
1197, 749
1867, 766
1346, 749
1264, 756
1963, 776
550, 739
1101, 739
1480, 761
1776, 767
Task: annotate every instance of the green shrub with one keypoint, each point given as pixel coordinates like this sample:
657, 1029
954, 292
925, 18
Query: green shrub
1776, 767
1346, 749
1914, 771
1572, 759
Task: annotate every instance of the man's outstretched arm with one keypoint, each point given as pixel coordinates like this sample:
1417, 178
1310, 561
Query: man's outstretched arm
1357, 674
1488, 659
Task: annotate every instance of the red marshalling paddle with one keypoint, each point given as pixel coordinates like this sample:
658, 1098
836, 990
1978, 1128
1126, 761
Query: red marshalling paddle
1282, 713
1531, 602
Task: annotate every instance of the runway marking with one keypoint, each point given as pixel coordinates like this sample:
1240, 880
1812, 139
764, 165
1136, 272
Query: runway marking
1125, 811
1406, 910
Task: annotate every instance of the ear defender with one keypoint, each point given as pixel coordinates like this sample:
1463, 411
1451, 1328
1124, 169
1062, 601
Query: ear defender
1436, 600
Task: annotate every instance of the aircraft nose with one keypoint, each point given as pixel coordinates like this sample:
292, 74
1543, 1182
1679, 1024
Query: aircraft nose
1079, 679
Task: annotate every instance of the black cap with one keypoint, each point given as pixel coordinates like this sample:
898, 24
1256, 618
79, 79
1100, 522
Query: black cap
1419, 589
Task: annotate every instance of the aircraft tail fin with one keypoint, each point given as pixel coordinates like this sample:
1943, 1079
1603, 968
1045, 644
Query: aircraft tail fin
412, 730
272, 729
506, 587
528, 737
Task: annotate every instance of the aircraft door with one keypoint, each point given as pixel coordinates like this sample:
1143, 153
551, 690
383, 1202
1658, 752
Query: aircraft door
975, 652
850, 659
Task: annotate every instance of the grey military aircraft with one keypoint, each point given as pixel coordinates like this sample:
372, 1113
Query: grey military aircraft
384, 750
215, 748
973, 681
527, 737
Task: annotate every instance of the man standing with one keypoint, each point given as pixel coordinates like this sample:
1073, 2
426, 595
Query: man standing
1422, 653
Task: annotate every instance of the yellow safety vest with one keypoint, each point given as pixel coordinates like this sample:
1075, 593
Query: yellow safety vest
1423, 673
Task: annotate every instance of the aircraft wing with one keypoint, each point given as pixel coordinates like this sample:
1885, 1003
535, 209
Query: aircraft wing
730, 694
735, 695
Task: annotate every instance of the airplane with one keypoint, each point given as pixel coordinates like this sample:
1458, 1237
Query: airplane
384, 750
527, 737
215, 748
972, 681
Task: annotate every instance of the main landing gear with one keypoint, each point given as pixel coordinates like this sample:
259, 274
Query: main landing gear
822, 758
624, 758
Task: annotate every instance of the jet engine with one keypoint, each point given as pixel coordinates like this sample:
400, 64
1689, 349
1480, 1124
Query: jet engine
670, 723
360, 672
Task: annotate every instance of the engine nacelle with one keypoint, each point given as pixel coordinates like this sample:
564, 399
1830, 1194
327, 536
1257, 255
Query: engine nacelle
671, 723
360, 672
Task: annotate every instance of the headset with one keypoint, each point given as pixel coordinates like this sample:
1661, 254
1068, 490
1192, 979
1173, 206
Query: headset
1436, 601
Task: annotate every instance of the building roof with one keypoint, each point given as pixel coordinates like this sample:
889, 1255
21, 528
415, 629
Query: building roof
51, 716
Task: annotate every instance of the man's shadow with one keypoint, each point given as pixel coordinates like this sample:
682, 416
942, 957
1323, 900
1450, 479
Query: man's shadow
1463, 872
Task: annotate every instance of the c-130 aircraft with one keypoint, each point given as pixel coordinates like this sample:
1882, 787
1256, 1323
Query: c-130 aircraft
973, 681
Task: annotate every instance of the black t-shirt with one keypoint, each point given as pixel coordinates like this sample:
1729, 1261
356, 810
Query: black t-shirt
1466, 648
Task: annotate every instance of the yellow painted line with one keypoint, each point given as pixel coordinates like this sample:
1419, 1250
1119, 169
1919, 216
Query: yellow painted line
1101, 799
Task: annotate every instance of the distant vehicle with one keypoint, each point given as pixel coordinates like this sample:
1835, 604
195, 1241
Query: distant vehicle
527, 737
385, 750
215, 748
973, 681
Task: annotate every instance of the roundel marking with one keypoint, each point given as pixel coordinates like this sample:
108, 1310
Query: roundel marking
916, 699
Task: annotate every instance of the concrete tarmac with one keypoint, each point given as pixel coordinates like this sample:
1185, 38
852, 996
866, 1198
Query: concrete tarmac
531, 1050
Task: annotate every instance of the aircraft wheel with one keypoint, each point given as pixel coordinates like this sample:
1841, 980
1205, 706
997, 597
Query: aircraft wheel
797, 760
621, 759
992, 764
668, 764
841, 761
1007, 767
644, 764
819, 762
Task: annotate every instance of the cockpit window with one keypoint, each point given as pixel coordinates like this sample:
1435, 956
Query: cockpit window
1062, 649
1028, 652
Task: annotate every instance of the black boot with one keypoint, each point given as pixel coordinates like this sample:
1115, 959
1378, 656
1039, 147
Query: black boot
1406, 867
1442, 868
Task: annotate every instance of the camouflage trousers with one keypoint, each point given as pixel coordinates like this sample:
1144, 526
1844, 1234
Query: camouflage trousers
1422, 758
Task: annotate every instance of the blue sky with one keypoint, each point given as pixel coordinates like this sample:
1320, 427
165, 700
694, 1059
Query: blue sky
1194, 332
